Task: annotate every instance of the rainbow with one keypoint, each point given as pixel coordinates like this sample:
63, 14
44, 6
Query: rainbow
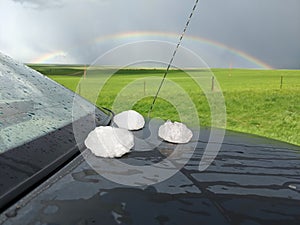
128, 37
48, 57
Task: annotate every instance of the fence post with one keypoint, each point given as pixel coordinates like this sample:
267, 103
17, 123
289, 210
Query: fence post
212, 83
281, 81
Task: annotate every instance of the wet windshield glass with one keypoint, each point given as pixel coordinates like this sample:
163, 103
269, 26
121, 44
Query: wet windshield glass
31, 105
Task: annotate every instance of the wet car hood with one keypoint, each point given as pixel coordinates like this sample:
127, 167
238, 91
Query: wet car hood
252, 180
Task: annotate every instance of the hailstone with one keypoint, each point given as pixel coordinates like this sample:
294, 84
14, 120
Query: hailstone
175, 132
130, 120
109, 142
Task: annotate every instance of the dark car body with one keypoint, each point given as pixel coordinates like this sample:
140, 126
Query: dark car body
253, 180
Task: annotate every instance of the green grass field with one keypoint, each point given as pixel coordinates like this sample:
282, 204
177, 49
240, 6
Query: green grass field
255, 103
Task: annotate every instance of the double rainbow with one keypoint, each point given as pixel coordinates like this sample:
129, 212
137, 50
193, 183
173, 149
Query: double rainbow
122, 38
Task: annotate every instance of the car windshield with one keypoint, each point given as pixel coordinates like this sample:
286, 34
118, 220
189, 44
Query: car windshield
31, 105
36, 128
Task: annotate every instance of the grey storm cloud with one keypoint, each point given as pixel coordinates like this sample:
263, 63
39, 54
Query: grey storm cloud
269, 30
40, 4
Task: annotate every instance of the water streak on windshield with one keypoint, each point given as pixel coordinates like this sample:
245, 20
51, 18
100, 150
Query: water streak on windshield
32, 105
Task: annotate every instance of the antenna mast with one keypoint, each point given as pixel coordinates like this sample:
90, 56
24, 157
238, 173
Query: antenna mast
173, 56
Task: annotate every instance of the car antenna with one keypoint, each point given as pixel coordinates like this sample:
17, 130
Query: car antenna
173, 56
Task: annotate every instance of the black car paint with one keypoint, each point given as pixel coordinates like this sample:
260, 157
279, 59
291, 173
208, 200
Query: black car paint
248, 183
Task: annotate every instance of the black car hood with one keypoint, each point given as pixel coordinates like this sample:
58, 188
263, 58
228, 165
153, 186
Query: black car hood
252, 180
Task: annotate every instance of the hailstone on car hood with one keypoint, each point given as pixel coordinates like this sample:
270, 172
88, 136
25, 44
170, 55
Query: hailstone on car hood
130, 120
109, 142
175, 132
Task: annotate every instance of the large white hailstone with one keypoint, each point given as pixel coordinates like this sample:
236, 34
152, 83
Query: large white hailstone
175, 132
130, 120
109, 142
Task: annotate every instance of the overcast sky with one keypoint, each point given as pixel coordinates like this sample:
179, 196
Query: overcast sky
225, 33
